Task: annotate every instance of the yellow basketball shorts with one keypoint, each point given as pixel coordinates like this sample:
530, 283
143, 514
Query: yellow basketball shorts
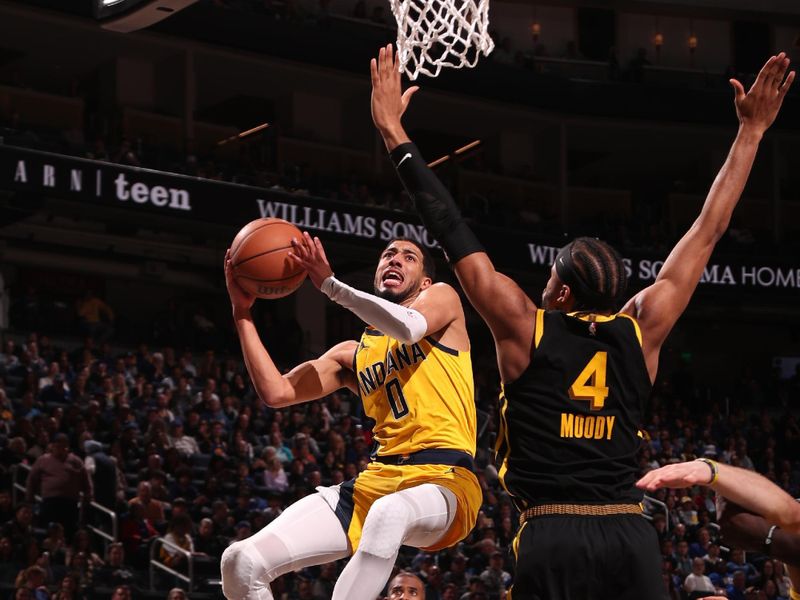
377, 480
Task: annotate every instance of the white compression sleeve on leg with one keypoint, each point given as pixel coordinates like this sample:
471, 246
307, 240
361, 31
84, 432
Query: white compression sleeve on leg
403, 324
417, 516
307, 533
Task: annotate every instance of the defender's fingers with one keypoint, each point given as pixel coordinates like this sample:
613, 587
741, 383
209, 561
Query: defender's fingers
788, 83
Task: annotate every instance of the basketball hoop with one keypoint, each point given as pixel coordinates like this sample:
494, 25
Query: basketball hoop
432, 34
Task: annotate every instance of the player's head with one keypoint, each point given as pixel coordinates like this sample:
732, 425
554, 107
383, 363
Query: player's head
587, 275
405, 268
406, 585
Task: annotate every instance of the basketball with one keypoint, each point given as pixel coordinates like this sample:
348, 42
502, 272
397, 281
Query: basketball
260, 258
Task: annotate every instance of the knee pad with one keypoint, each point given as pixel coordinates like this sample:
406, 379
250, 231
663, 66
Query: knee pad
236, 567
385, 527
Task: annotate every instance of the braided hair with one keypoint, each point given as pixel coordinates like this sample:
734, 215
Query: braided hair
595, 273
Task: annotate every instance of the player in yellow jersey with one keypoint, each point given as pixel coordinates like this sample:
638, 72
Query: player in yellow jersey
413, 372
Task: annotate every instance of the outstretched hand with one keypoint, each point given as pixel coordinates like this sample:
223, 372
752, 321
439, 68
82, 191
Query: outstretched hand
241, 300
760, 105
311, 255
389, 102
680, 475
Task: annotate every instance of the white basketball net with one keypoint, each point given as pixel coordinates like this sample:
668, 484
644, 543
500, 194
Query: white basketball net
432, 34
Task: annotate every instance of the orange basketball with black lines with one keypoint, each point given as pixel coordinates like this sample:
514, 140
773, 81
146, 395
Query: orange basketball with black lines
260, 258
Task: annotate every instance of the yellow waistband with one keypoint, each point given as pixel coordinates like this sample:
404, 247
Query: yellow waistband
590, 510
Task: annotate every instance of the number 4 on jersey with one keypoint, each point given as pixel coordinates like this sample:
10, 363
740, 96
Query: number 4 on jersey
591, 383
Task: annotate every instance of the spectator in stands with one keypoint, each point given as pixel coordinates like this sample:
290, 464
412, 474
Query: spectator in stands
102, 468
82, 544
33, 578
178, 534
9, 564
96, 318
700, 547
687, 513
55, 544
206, 541
457, 574
81, 567
281, 449
406, 585
738, 563
68, 589
60, 477
136, 533
114, 571
223, 521
177, 594
152, 509
56, 392
20, 531
683, 562
736, 590
697, 581
122, 592
275, 479
186, 445
782, 581
6, 508
495, 578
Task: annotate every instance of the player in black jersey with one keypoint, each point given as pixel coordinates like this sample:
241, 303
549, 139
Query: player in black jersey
577, 372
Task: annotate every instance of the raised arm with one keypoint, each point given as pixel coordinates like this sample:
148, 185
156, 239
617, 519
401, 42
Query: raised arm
659, 306
308, 381
503, 305
432, 311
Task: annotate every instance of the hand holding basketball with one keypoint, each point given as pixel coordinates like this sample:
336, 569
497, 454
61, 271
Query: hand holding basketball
241, 300
310, 254
259, 259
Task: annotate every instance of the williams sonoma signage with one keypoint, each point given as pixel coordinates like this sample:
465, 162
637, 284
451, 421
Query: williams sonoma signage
88, 181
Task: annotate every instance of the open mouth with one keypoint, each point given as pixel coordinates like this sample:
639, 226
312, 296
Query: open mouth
392, 278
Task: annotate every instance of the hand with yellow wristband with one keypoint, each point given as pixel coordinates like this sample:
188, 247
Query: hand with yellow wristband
696, 472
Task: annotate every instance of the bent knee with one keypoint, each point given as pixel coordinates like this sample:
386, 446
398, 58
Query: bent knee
236, 567
385, 527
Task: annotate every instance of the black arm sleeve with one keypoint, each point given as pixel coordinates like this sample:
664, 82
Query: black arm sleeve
434, 204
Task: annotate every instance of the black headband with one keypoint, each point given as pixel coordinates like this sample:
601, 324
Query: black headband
585, 296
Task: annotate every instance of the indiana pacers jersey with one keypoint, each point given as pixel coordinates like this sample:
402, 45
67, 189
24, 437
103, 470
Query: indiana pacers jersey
569, 424
421, 396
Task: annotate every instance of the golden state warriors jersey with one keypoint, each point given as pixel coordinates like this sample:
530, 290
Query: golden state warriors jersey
569, 425
420, 395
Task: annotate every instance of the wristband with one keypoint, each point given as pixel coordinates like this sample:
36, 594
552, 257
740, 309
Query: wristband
768, 540
714, 470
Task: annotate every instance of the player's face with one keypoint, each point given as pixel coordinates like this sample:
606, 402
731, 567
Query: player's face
399, 273
404, 588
